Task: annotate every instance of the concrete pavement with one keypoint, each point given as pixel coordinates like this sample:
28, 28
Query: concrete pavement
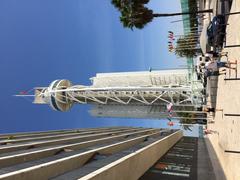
225, 140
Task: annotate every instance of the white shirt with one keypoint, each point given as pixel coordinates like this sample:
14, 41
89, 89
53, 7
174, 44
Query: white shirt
212, 65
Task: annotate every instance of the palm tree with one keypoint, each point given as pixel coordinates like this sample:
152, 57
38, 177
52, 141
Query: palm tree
187, 46
120, 3
135, 14
136, 18
187, 118
187, 52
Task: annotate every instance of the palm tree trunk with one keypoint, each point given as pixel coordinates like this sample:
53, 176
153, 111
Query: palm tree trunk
183, 13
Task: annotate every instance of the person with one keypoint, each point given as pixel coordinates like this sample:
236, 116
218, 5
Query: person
209, 73
213, 54
226, 64
215, 65
208, 131
211, 109
211, 122
198, 72
211, 66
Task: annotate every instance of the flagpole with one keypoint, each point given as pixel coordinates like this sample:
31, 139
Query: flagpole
24, 95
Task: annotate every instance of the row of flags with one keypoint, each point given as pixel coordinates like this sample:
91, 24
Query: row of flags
170, 113
171, 40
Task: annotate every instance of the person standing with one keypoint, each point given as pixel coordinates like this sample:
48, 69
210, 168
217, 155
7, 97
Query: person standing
209, 73
211, 109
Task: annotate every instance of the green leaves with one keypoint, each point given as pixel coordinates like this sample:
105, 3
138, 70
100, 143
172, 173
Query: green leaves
133, 13
187, 46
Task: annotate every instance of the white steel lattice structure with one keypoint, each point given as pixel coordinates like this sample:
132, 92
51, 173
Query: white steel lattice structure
127, 88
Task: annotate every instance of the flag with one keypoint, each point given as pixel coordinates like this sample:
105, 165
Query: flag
23, 92
169, 107
171, 35
170, 123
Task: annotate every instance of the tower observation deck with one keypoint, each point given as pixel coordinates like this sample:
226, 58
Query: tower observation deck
126, 88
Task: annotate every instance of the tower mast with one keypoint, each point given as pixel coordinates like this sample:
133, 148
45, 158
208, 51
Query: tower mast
127, 88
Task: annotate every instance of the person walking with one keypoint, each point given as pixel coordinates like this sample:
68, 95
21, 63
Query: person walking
215, 65
226, 64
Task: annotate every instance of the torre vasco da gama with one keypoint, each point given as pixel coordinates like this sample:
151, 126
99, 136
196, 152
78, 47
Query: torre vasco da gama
125, 88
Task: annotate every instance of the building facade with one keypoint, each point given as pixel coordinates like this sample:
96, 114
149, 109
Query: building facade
121, 153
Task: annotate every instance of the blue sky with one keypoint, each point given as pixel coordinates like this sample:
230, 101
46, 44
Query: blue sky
44, 40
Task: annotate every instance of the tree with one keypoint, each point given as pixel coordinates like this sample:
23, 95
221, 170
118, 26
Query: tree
187, 46
131, 18
119, 4
187, 52
187, 118
135, 14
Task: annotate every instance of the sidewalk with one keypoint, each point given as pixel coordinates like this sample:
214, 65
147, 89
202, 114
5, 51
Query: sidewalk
226, 143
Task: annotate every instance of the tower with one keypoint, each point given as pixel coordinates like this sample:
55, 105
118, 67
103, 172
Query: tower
125, 88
